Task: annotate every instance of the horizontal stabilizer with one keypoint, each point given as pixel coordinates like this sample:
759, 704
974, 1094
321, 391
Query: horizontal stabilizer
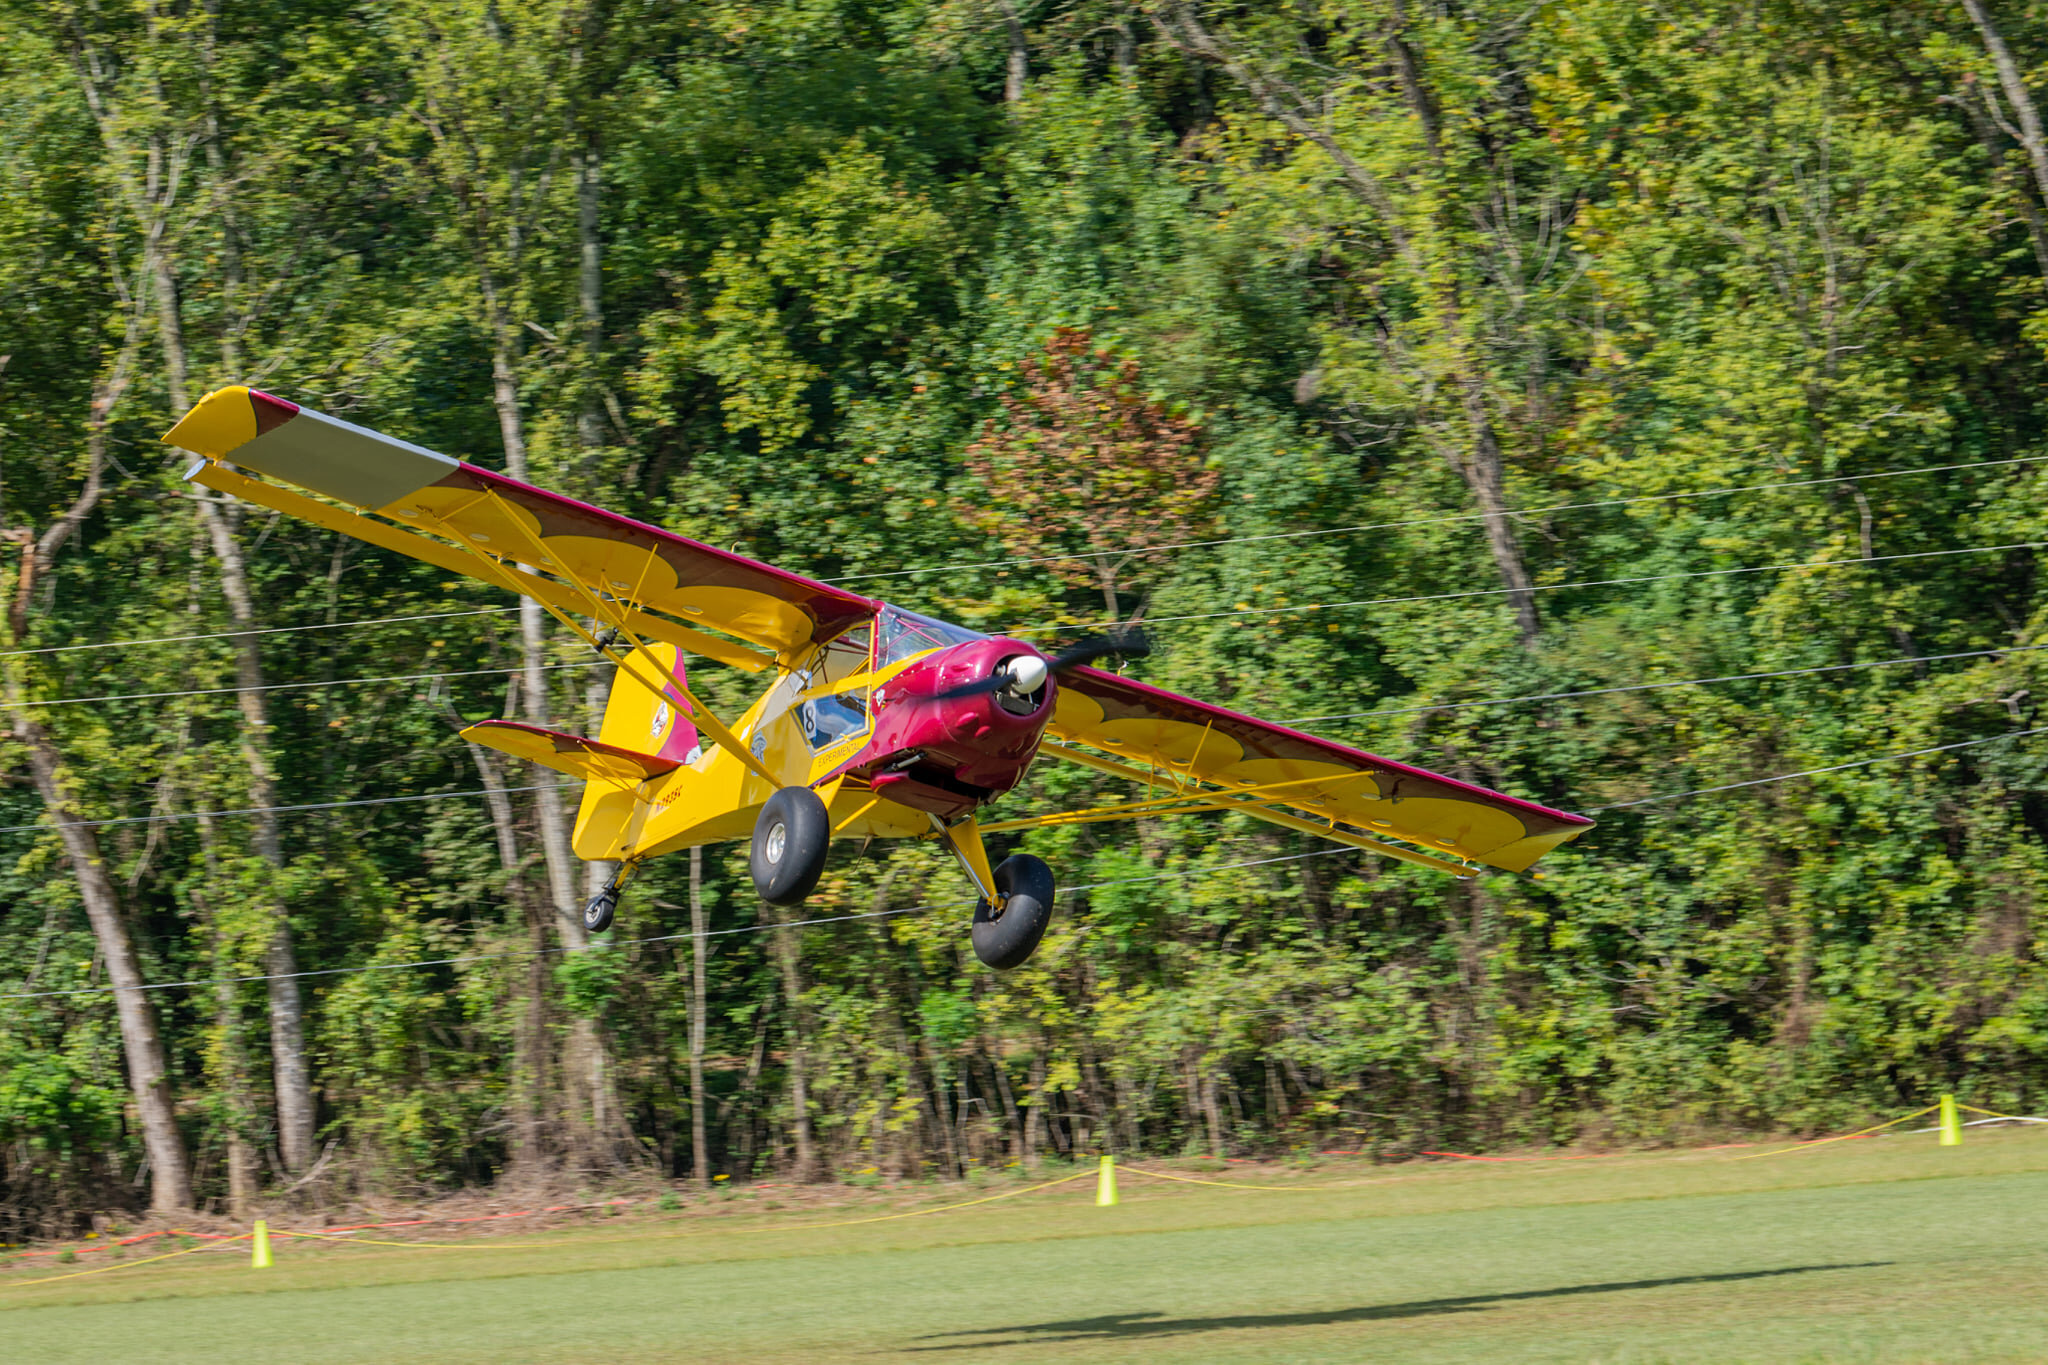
571, 754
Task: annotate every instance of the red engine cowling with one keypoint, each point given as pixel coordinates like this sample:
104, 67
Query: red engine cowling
948, 754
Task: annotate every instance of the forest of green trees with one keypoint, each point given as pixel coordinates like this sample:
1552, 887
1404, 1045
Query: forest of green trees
1603, 401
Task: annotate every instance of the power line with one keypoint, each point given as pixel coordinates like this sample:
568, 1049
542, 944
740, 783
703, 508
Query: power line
917, 909
1200, 616
1540, 587
255, 630
1450, 518
1182, 875
1043, 559
1297, 720
283, 687
1680, 682
1814, 772
261, 810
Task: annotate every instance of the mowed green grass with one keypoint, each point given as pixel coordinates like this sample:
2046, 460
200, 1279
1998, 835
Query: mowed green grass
1891, 1250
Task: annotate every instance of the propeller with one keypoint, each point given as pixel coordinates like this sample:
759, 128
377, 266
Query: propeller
1027, 672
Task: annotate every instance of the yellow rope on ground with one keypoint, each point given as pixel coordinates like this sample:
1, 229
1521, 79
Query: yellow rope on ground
1993, 1114
1843, 1137
1224, 1184
915, 1213
125, 1265
419, 1246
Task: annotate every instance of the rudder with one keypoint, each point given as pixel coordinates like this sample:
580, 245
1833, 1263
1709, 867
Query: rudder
638, 719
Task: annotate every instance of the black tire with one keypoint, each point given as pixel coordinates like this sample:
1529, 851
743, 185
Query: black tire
1007, 939
790, 840
598, 910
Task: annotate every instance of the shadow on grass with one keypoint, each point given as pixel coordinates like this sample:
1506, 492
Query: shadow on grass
1118, 1326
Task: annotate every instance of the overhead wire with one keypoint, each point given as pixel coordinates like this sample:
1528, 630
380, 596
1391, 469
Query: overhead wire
1815, 772
1297, 720
264, 810
1273, 610
1284, 610
1043, 559
1181, 875
255, 630
286, 686
1676, 682
940, 905
1448, 518
1053, 625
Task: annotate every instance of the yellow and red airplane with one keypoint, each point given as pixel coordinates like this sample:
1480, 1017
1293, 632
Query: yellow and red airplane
876, 723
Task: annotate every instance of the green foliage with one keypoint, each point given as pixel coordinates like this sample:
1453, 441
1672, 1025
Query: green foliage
1645, 257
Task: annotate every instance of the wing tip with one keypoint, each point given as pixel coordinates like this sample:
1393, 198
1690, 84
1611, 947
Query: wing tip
227, 419
216, 424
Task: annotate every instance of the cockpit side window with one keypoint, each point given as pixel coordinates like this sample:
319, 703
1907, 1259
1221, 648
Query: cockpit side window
831, 717
900, 634
844, 657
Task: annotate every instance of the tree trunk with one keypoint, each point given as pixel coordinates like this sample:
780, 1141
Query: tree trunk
788, 962
292, 1077
1480, 464
590, 417
2014, 84
148, 1074
293, 1081
1484, 474
1212, 1114
142, 1046
941, 1110
1012, 1120
590, 289
700, 1151
585, 1064
1019, 64
231, 1075
529, 1029
533, 637
1034, 1109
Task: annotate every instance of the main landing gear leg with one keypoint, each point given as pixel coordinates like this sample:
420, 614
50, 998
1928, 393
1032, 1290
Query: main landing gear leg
1015, 905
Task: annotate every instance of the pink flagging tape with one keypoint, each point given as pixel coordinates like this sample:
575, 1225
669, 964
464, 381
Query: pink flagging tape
1467, 1156
131, 1241
85, 1248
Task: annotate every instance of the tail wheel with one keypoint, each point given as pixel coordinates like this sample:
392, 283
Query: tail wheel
790, 839
1006, 937
599, 909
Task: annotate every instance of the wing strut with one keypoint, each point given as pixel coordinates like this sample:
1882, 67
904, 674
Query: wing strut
1247, 801
602, 609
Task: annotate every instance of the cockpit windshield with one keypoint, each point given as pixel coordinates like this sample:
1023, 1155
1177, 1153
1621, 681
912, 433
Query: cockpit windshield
900, 634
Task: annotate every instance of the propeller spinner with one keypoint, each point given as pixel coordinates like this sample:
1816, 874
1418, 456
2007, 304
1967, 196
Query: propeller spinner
1023, 674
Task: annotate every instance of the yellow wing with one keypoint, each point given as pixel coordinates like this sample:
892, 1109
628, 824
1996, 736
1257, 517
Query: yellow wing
1216, 759
511, 534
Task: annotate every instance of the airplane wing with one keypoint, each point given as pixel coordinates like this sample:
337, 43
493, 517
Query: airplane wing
1221, 759
511, 534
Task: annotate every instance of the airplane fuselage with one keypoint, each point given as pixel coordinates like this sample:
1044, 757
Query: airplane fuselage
881, 722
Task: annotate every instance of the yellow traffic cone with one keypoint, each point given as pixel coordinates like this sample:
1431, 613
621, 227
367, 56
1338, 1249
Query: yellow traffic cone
1951, 1123
259, 1246
1105, 1184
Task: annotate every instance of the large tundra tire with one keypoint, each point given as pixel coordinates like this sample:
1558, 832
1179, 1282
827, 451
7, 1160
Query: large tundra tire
790, 840
1007, 937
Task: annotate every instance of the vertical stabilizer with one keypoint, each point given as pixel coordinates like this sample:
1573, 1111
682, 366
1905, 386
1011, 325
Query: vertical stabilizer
648, 722
640, 721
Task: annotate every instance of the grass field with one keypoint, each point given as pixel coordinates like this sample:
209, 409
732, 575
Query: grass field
1891, 1250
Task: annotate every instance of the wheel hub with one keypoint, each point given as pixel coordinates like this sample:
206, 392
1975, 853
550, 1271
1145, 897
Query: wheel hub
778, 838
